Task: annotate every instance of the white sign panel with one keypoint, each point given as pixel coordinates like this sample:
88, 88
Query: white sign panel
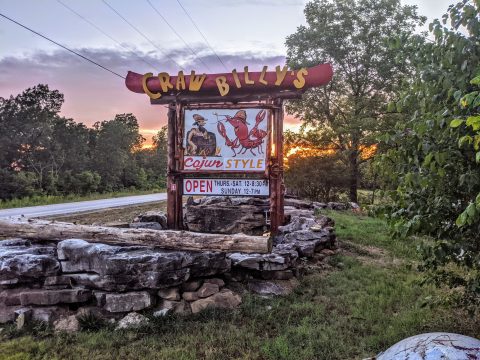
225, 140
226, 187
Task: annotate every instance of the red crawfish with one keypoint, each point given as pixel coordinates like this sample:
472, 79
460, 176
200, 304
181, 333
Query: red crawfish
247, 139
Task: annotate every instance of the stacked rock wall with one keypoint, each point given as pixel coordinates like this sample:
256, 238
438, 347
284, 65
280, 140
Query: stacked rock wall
52, 281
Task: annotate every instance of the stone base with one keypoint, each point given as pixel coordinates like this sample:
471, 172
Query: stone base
53, 281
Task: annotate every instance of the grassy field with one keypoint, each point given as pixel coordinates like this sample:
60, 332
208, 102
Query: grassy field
367, 298
110, 215
51, 199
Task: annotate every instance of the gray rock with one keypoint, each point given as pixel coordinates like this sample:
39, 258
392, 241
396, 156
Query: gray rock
48, 314
177, 307
23, 317
158, 217
216, 281
192, 285
20, 262
169, 294
337, 206
161, 313
248, 261
100, 297
354, 206
276, 288
307, 242
94, 311
225, 299
300, 212
67, 324
146, 225
131, 321
279, 259
225, 218
319, 205
277, 275
53, 297
325, 221
263, 202
15, 242
211, 200
132, 301
136, 268
192, 201
7, 313
190, 296
298, 204
207, 289
117, 224
297, 223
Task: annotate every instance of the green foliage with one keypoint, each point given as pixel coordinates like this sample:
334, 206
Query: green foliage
328, 171
432, 163
42, 153
355, 37
90, 322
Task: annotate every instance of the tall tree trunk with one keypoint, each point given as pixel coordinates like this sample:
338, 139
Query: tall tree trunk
354, 172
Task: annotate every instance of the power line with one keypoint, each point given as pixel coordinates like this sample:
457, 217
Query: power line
204, 37
142, 34
176, 33
104, 33
62, 46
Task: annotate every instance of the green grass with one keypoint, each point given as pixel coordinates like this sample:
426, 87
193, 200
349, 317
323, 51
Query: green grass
371, 231
58, 199
353, 311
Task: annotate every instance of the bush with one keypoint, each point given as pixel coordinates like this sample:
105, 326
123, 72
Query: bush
82, 183
16, 184
316, 177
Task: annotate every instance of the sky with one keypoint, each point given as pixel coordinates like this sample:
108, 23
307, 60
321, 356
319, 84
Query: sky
240, 32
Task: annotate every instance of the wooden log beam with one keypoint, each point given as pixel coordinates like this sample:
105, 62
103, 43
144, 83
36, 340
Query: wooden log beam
42, 230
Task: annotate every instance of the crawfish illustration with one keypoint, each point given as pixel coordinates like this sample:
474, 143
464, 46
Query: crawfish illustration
245, 139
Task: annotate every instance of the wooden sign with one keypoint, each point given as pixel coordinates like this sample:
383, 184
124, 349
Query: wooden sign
226, 187
163, 87
225, 124
225, 140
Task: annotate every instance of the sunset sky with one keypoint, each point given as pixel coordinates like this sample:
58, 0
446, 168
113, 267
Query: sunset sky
247, 32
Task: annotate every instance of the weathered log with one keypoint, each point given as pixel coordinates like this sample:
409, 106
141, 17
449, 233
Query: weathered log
41, 230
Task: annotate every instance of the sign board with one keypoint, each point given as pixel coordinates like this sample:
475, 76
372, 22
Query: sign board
225, 140
164, 87
226, 187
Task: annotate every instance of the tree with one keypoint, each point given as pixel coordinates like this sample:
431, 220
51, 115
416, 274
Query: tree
327, 169
115, 143
354, 36
433, 162
44, 153
26, 125
154, 160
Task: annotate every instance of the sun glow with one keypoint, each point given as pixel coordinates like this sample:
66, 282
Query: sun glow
366, 152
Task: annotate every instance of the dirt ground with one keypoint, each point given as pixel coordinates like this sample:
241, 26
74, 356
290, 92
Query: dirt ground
111, 215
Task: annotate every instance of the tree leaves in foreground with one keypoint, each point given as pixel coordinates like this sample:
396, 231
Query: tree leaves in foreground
355, 37
433, 161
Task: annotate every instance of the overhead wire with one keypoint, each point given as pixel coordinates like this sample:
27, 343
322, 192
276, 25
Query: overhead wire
62, 46
200, 32
105, 33
142, 34
176, 33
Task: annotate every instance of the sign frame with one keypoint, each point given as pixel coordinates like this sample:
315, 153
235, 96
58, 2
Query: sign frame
274, 157
181, 126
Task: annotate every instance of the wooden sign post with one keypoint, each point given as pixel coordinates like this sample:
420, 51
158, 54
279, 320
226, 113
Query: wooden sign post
225, 132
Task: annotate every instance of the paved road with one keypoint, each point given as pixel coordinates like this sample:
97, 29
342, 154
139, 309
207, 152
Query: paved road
80, 206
